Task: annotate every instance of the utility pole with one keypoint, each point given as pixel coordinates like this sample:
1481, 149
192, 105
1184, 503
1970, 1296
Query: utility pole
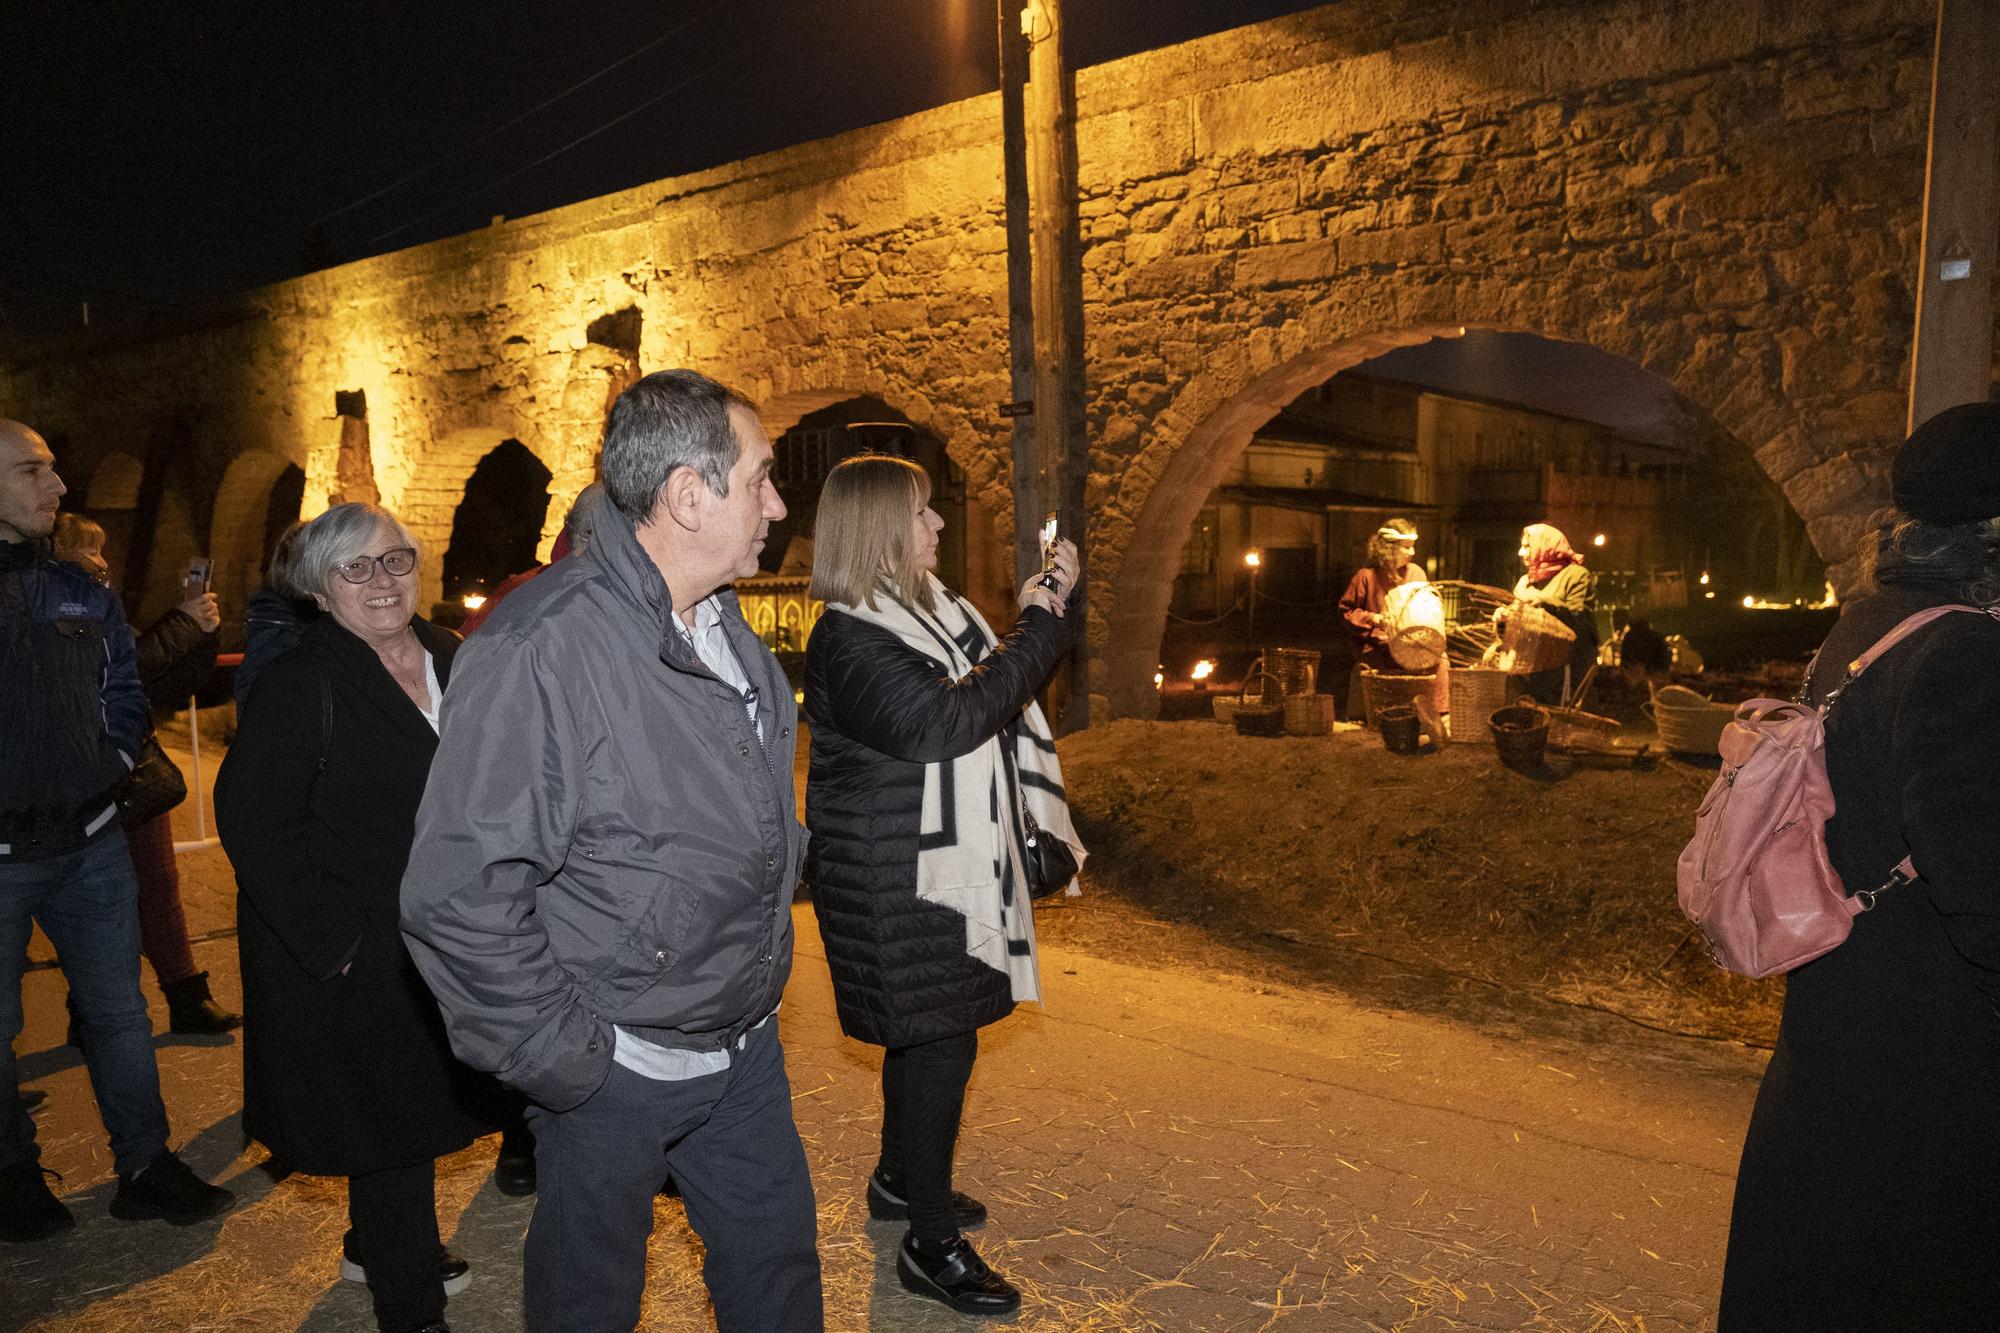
1029, 505
1952, 361
1061, 442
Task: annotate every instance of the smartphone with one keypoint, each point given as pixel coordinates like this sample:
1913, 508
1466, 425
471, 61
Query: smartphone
199, 570
1051, 527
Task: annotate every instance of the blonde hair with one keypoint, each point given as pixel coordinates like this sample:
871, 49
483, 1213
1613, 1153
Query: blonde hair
861, 537
75, 535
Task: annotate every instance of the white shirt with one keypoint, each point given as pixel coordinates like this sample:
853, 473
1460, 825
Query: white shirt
666, 1063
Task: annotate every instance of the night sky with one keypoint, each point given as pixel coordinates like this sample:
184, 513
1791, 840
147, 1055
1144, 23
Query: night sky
153, 154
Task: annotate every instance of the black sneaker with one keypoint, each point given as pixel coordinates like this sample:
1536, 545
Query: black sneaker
951, 1271
168, 1191
885, 1204
453, 1272
28, 1211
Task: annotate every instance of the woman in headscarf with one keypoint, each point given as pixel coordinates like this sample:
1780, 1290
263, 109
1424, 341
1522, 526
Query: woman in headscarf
1556, 581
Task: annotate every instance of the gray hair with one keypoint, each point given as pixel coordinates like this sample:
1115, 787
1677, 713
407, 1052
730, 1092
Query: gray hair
1966, 554
670, 419
339, 535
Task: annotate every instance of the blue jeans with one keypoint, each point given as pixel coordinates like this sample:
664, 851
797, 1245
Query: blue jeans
729, 1142
88, 904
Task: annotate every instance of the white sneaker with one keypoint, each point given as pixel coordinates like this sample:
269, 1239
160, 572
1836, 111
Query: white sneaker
455, 1273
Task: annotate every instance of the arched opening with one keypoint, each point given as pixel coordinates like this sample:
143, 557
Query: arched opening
498, 525
111, 497
260, 496
1473, 434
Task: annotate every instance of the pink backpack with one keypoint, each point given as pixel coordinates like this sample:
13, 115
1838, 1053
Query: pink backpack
1755, 877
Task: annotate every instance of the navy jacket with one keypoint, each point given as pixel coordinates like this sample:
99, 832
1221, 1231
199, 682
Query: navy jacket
76, 713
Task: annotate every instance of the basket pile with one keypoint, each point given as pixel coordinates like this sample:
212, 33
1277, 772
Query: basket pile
1689, 722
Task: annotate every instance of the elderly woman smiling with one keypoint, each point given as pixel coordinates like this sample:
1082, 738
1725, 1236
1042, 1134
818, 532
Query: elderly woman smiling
346, 1070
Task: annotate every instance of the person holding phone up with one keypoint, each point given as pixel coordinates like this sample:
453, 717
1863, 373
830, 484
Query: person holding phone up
176, 653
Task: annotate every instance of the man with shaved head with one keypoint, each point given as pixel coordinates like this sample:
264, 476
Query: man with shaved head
75, 717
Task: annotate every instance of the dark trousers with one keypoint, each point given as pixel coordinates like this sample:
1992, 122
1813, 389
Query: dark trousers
87, 904
393, 1233
729, 1142
923, 1095
163, 932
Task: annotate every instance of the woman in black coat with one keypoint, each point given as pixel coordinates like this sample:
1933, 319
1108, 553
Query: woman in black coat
1869, 1192
346, 1069
926, 746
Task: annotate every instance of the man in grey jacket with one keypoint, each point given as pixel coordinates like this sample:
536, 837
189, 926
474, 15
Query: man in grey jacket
600, 890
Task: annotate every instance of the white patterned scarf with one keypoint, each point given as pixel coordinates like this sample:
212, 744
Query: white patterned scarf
969, 846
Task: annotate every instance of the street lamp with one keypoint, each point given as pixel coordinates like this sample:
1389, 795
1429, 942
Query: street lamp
1253, 560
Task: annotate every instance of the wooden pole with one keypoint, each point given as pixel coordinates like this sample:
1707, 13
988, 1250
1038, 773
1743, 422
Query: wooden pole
1952, 361
1028, 503
1062, 445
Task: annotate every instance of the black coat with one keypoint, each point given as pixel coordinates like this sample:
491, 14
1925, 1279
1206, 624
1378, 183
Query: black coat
880, 710
1869, 1192
342, 1073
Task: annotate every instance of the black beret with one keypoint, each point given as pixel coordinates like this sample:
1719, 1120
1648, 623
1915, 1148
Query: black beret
1948, 471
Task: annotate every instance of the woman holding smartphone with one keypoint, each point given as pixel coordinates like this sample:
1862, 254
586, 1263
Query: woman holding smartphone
927, 752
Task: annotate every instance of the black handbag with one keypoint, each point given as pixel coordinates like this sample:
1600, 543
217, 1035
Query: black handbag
1051, 865
153, 787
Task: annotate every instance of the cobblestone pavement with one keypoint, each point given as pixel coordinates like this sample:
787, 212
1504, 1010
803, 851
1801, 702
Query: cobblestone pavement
1160, 1151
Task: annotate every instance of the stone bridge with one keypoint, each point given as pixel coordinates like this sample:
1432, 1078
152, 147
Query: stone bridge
1725, 192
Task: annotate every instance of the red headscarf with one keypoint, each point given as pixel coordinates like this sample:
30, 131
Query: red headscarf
1548, 552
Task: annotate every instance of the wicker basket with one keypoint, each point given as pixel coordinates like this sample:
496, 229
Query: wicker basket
1263, 714
1308, 714
1534, 640
1386, 689
1520, 734
1296, 670
1689, 723
1574, 729
1402, 731
1476, 694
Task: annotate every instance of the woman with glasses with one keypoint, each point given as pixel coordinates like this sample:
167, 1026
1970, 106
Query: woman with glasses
346, 1070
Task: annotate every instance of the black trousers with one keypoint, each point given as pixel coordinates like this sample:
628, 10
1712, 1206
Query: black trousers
393, 1233
923, 1094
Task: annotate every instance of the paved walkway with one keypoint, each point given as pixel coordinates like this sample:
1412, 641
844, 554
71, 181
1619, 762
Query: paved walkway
1160, 1151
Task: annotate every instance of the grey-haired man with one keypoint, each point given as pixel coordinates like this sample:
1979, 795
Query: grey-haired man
601, 885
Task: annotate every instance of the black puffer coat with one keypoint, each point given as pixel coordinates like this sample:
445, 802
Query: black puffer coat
880, 710
1869, 1193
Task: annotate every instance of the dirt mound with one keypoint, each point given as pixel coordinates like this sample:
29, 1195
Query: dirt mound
1443, 863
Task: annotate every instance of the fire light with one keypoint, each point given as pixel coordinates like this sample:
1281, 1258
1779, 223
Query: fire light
1202, 670
472, 601
1704, 578
1253, 558
1159, 680
1598, 540
1749, 601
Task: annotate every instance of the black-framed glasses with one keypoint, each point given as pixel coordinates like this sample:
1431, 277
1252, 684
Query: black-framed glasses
397, 561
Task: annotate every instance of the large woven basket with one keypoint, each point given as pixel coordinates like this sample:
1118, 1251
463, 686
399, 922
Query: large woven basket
1387, 689
1533, 640
1296, 670
1688, 722
1308, 714
1476, 694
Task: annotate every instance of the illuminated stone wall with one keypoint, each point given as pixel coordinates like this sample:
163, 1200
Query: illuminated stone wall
1725, 193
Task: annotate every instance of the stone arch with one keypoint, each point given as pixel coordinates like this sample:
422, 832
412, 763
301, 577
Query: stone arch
1209, 422
429, 503
114, 484
498, 525
244, 513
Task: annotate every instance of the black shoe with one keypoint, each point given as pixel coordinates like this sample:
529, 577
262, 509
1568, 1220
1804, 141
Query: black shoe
193, 1012
952, 1271
454, 1272
886, 1205
168, 1191
514, 1168
28, 1211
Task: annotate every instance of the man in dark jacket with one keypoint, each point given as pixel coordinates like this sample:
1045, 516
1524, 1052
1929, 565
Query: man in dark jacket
600, 890
77, 718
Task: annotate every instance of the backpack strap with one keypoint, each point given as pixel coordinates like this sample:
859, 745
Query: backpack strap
1908, 626
325, 721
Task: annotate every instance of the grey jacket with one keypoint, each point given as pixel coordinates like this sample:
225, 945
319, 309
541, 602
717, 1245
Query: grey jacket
604, 840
